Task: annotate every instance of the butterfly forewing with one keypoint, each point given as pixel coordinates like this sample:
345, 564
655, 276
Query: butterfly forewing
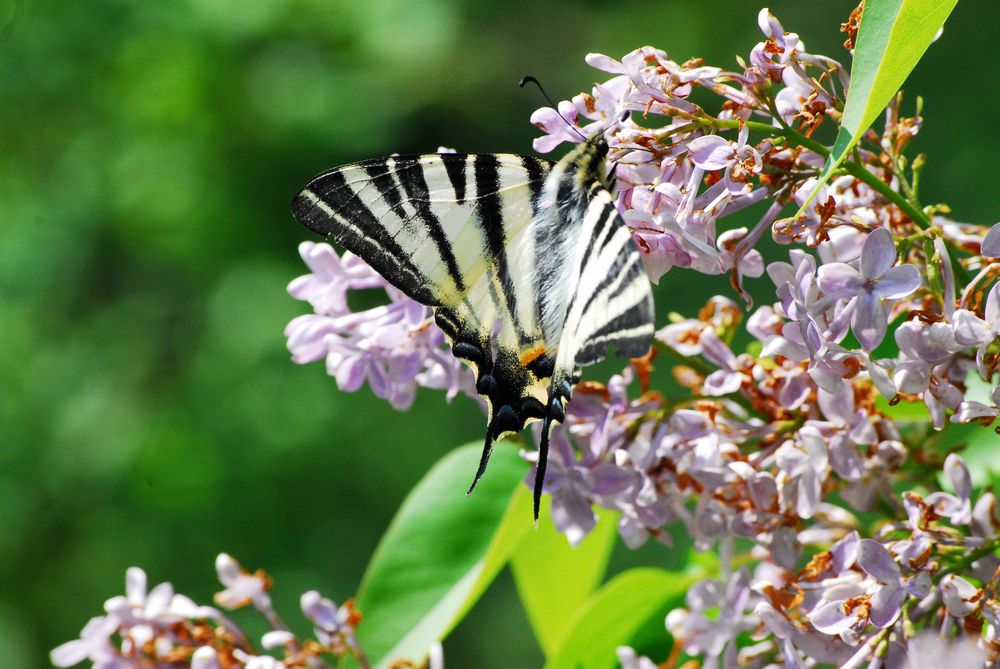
530, 268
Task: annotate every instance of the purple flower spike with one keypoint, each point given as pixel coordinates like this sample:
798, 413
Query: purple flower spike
877, 280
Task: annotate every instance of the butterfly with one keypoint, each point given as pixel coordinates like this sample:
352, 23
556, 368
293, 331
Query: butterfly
531, 271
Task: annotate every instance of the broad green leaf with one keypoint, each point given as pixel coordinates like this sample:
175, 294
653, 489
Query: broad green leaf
554, 579
441, 551
892, 37
614, 614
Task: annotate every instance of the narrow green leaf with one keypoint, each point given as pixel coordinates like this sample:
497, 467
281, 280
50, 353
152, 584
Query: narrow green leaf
554, 579
614, 614
892, 37
441, 551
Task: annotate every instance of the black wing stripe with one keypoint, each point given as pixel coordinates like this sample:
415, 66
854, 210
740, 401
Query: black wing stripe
381, 174
410, 173
332, 208
631, 332
606, 217
490, 218
619, 275
454, 166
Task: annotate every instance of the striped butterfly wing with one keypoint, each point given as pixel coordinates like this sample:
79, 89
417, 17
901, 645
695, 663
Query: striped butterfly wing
529, 268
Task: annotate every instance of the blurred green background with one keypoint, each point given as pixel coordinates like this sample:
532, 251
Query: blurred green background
149, 151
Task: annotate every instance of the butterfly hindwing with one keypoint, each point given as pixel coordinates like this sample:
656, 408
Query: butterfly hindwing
529, 267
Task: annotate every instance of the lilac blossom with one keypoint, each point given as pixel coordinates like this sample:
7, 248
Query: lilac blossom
158, 627
874, 281
394, 348
991, 243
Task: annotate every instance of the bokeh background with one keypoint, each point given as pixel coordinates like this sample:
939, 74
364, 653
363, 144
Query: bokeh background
149, 413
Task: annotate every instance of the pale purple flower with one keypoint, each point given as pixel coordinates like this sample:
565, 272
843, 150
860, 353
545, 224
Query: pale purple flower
332, 277
887, 600
660, 251
959, 596
629, 659
729, 377
395, 348
795, 640
739, 161
334, 625
251, 661
971, 410
876, 280
242, 588
970, 330
205, 658
714, 638
991, 242
956, 507
94, 644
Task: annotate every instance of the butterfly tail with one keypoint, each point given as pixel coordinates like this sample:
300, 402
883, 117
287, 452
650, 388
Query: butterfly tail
484, 459
543, 459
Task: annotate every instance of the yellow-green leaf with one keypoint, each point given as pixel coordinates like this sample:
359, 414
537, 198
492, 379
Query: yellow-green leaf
441, 551
892, 37
614, 614
554, 579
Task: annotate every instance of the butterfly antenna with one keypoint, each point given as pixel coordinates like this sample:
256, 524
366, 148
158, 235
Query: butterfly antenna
531, 80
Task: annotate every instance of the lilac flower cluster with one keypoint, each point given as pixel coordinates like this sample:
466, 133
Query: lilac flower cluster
160, 628
394, 347
881, 305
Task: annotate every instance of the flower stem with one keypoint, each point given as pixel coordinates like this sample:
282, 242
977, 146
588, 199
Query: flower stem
987, 549
854, 168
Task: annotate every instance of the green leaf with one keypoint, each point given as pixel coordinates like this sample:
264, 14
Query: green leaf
441, 551
615, 613
554, 579
892, 37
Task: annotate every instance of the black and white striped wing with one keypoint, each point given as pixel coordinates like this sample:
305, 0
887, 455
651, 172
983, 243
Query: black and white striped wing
455, 232
530, 270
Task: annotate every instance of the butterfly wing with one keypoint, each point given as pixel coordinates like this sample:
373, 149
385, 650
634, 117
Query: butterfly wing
530, 270
455, 232
597, 294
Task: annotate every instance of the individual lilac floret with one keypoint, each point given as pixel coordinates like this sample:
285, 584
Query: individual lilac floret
242, 587
991, 243
877, 280
887, 600
714, 638
957, 507
971, 330
335, 625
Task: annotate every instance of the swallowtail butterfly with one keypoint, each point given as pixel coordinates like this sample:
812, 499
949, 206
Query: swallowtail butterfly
531, 271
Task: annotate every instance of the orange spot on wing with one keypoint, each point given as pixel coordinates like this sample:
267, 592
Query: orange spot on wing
529, 355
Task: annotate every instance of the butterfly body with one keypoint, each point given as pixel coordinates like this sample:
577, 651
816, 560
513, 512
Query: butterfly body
530, 270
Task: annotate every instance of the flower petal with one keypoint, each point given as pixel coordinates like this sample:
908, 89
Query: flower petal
970, 329
869, 321
877, 561
991, 242
886, 605
960, 596
898, 282
840, 280
877, 254
711, 152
